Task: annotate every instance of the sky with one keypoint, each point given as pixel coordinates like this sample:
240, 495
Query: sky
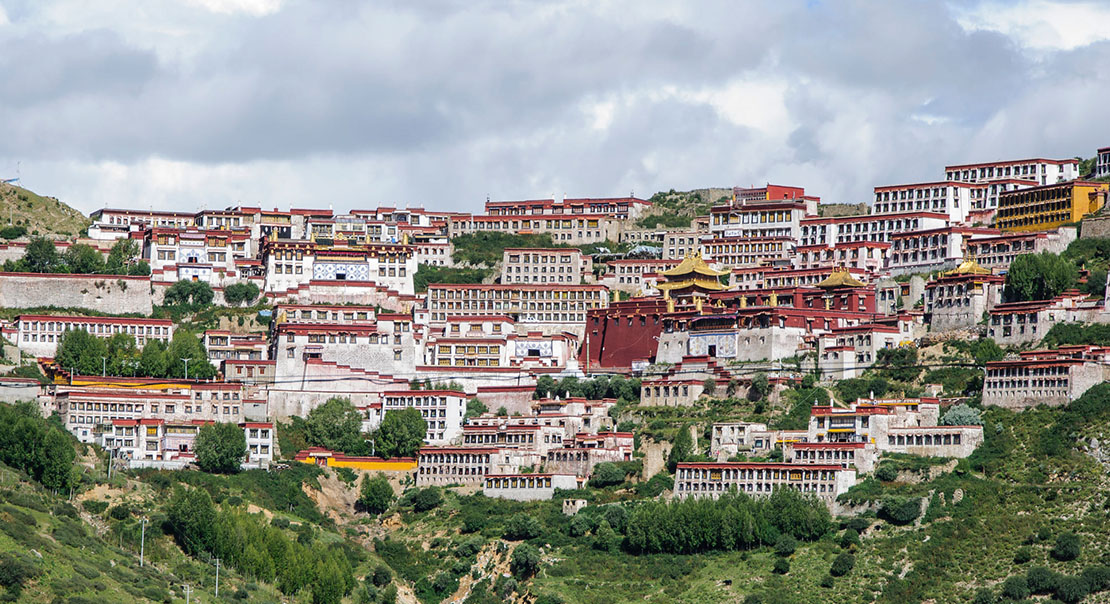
191, 104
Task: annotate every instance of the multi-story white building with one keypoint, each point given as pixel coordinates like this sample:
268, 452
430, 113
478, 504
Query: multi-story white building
290, 264
154, 442
622, 208
746, 251
1045, 377
922, 251
528, 487
443, 410
525, 303
834, 231
1102, 163
712, 479
998, 251
197, 255
382, 342
1042, 171
39, 335
491, 341
545, 265
680, 244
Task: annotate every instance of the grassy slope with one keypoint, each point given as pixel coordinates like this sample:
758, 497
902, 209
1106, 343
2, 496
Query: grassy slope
37, 213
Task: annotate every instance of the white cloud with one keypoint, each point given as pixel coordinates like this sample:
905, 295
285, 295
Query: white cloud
254, 8
1040, 24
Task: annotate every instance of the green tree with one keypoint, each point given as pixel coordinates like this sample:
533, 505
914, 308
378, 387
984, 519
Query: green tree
121, 256
709, 387
220, 448
475, 407
1039, 277
961, 415
192, 519
81, 351
123, 355
152, 361
1015, 588
842, 565
58, 473
524, 561
376, 495
522, 526
760, 387
681, 450
40, 256
193, 294
401, 433
426, 499
328, 583
185, 345
605, 538
238, 293
83, 259
336, 425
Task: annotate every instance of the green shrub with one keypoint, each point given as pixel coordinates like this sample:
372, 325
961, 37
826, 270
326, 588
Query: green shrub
1015, 588
15, 569
1040, 580
785, 545
524, 561
1067, 547
119, 512
781, 566
426, 499
522, 526
1098, 577
1023, 555
827, 581
886, 472
901, 512
1071, 589
842, 565
984, 596
849, 538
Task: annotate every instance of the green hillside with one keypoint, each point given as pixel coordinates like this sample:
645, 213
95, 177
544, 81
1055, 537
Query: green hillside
39, 214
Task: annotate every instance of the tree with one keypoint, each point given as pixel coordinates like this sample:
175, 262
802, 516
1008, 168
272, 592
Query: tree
781, 566
502, 411
121, 256
194, 294
192, 519
40, 256
617, 517
376, 495
522, 526
1067, 547
605, 538
12, 232
681, 450
336, 425
1071, 589
238, 293
606, 474
709, 387
961, 415
475, 407
185, 345
152, 361
58, 472
524, 561
786, 545
220, 448
426, 499
83, 259
81, 351
760, 387
1039, 277
1040, 580
401, 433
123, 355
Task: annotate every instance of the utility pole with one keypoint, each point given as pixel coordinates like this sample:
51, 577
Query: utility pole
217, 577
142, 543
186, 369
188, 592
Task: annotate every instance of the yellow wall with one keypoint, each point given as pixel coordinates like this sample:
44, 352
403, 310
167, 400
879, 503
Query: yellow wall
1077, 199
378, 466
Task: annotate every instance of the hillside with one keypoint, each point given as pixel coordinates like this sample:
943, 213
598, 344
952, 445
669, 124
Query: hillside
841, 209
39, 214
677, 208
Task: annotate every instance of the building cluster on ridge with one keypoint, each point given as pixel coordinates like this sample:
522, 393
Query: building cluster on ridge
763, 279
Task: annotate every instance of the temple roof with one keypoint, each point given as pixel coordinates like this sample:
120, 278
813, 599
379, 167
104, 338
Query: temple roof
968, 267
709, 284
693, 263
840, 278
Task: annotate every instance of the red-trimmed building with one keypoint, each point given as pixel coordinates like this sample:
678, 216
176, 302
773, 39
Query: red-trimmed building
39, 335
1050, 377
712, 479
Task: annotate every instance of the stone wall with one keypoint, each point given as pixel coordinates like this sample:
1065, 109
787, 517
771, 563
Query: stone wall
104, 293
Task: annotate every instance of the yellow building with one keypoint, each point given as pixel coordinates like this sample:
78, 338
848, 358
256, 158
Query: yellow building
692, 276
1047, 207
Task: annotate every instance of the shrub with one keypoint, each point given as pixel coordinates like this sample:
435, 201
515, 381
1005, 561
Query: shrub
785, 545
827, 581
94, 506
376, 495
849, 538
1023, 555
522, 526
15, 569
901, 512
781, 566
426, 499
1071, 589
579, 525
381, 576
279, 522
238, 293
1040, 580
1098, 577
1015, 588
606, 474
617, 517
1067, 547
842, 564
858, 524
524, 561
983, 596
886, 473
119, 512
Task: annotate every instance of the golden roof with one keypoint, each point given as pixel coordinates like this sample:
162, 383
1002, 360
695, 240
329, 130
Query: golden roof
710, 284
841, 278
693, 263
968, 267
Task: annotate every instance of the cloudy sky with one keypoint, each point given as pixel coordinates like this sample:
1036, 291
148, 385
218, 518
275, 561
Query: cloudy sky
210, 103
